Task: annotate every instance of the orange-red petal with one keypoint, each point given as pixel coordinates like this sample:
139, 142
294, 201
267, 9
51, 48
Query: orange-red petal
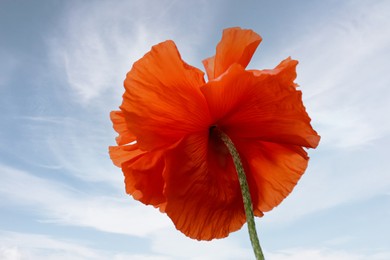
274, 170
236, 46
162, 101
264, 107
120, 126
142, 171
143, 178
285, 71
202, 190
124, 153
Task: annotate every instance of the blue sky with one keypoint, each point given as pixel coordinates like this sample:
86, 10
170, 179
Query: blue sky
61, 71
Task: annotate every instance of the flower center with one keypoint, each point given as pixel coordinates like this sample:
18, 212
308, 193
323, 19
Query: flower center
217, 147
211, 129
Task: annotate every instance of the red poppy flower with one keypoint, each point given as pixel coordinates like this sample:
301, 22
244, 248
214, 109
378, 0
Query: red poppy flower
172, 158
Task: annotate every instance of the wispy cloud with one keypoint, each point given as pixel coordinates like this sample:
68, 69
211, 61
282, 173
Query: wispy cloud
100, 41
344, 76
59, 203
25, 246
30, 246
173, 243
343, 72
77, 145
324, 254
15, 246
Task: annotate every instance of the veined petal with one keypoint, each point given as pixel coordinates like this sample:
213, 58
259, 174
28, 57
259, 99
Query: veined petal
120, 126
124, 153
275, 169
142, 170
163, 102
202, 190
285, 71
225, 95
236, 46
265, 106
143, 178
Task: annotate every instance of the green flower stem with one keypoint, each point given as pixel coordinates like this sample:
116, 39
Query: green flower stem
245, 194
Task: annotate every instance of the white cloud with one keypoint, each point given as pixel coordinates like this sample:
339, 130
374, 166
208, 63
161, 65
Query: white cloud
15, 246
76, 146
10, 253
61, 204
324, 254
173, 243
29, 246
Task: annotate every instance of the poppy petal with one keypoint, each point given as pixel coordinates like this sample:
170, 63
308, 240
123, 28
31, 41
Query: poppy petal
265, 107
119, 124
143, 178
285, 71
162, 101
203, 195
275, 170
236, 46
124, 153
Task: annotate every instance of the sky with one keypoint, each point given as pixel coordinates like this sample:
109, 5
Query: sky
62, 66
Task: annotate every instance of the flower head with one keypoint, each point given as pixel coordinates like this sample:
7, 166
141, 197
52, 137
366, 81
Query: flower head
170, 153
